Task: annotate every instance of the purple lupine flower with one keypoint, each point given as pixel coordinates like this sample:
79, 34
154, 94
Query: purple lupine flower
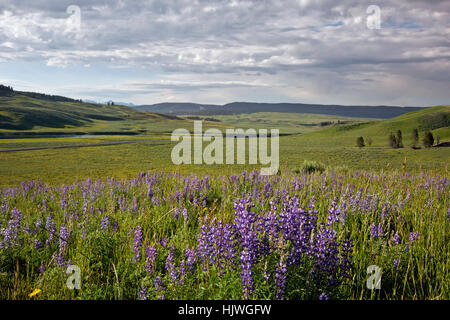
159, 287
246, 274
50, 226
11, 233
163, 242
134, 205
280, 279
345, 262
376, 231
104, 223
396, 264
44, 205
324, 296
326, 254
4, 207
191, 259
38, 223
181, 273
63, 238
137, 243
42, 268
216, 243
170, 265
59, 258
448, 214
151, 257
397, 239
245, 225
37, 245
185, 214
413, 236
143, 293
115, 226
333, 214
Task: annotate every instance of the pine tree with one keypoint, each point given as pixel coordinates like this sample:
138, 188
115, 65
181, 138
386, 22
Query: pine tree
360, 142
392, 141
415, 138
428, 139
399, 139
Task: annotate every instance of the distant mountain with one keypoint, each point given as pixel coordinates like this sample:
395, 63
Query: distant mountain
380, 112
182, 108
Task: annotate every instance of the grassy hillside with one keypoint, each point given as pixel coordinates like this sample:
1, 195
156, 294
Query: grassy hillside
25, 114
336, 146
436, 119
287, 123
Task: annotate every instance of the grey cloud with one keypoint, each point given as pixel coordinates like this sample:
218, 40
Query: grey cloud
283, 41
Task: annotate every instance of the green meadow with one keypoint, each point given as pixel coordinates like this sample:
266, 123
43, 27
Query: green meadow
333, 145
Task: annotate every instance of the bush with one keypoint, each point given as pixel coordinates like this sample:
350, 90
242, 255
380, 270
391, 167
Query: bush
392, 141
312, 166
360, 142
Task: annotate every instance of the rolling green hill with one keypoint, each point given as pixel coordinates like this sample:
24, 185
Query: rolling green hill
436, 119
22, 112
27, 114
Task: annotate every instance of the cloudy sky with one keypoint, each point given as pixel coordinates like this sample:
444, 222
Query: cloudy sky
219, 51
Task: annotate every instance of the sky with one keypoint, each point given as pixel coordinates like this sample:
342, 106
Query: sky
220, 51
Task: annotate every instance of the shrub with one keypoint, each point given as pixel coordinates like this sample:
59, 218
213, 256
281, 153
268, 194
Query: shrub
360, 142
415, 138
392, 141
428, 139
312, 166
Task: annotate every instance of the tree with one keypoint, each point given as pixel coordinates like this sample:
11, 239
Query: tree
428, 139
369, 141
360, 142
392, 141
438, 139
399, 139
415, 138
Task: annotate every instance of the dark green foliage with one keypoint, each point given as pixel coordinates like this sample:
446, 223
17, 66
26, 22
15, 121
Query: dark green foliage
392, 141
360, 142
435, 121
428, 139
312, 166
396, 141
5, 90
415, 138
399, 139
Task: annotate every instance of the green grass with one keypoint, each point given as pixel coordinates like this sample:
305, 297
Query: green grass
334, 147
287, 123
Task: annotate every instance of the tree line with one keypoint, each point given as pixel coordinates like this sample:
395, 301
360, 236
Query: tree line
396, 140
